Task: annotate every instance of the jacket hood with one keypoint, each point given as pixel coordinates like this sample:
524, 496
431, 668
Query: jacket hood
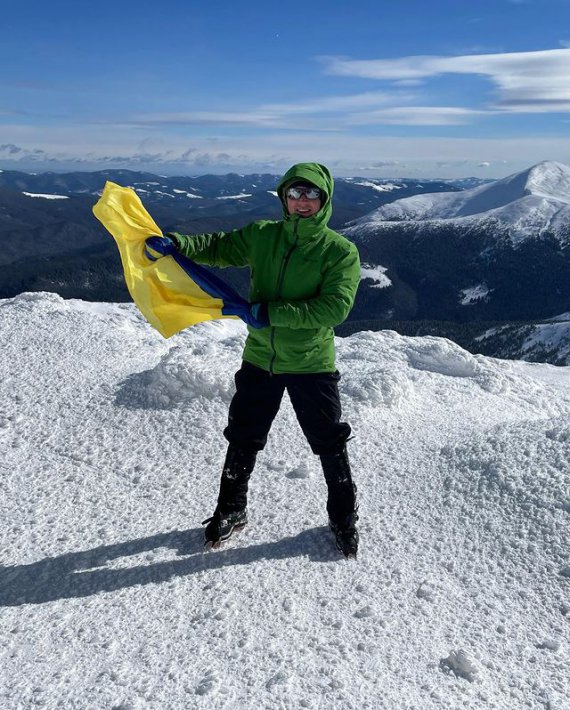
318, 175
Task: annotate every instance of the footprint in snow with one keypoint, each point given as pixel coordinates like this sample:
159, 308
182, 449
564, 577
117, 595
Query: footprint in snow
459, 663
426, 591
366, 612
208, 684
280, 678
301, 471
549, 645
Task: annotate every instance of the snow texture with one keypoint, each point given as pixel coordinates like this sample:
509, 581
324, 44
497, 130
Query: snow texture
527, 203
46, 197
473, 294
190, 195
379, 186
377, 274
552, 337
112, 446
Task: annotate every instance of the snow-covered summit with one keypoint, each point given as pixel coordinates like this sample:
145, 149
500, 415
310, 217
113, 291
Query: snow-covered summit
112, 448
549, 179
526, 203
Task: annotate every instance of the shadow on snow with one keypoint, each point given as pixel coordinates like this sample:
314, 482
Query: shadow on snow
83, 574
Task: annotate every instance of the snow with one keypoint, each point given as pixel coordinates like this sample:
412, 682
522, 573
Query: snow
382, 187
188, 194
111, 453
527, 203
377, 274
46, 197
473, 294
233, 197
553, 337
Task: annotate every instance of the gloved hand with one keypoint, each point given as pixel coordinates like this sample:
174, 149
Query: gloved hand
155, 247
257, 316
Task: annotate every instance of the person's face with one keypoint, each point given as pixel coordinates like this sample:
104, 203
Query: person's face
303, 206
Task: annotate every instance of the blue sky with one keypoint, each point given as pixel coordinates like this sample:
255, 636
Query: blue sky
439, 89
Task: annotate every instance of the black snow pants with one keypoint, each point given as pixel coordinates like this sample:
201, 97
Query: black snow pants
316, 402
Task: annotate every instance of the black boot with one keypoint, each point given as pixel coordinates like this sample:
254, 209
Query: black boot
221, 527
231, 510
341, 503
346, 536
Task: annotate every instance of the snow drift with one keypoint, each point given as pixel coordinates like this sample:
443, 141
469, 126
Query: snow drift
111, 452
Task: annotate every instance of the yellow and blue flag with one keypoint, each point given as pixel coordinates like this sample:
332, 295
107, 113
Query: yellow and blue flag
170, 290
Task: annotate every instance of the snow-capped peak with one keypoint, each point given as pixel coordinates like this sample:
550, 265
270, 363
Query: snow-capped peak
526, 202
549, 179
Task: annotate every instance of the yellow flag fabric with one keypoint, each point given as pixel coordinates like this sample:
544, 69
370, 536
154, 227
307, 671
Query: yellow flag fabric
164, 288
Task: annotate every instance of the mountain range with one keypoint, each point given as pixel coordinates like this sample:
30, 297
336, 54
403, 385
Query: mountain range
50, 240
499, 251
484, 263
526, 204
37, 210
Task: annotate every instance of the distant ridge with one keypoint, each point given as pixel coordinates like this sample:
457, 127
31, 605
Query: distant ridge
495, 252
525, 203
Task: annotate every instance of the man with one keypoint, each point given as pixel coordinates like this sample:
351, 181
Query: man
304, 279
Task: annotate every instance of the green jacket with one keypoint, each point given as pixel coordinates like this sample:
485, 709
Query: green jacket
306, 273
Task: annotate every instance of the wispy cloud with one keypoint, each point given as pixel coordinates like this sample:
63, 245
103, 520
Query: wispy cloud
526, 82
382, 165
300, 115
416, 116
207, 118
340, 103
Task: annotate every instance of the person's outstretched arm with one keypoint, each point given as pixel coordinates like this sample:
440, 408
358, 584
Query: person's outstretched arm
216, 249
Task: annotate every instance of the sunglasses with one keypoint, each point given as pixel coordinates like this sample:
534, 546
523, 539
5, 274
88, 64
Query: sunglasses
311, 193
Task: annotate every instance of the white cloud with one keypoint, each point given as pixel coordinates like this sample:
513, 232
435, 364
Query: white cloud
485, 164
332, 113
96, 147
219, 118
416, 116
339, 103
280, 115
381, 165
529, 82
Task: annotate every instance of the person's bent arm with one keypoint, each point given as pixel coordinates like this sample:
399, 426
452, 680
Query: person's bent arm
331, 306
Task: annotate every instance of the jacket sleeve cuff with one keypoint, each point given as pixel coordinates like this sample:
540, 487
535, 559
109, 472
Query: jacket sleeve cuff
176, 238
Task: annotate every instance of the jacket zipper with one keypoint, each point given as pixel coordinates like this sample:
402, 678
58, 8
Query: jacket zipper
279, 287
